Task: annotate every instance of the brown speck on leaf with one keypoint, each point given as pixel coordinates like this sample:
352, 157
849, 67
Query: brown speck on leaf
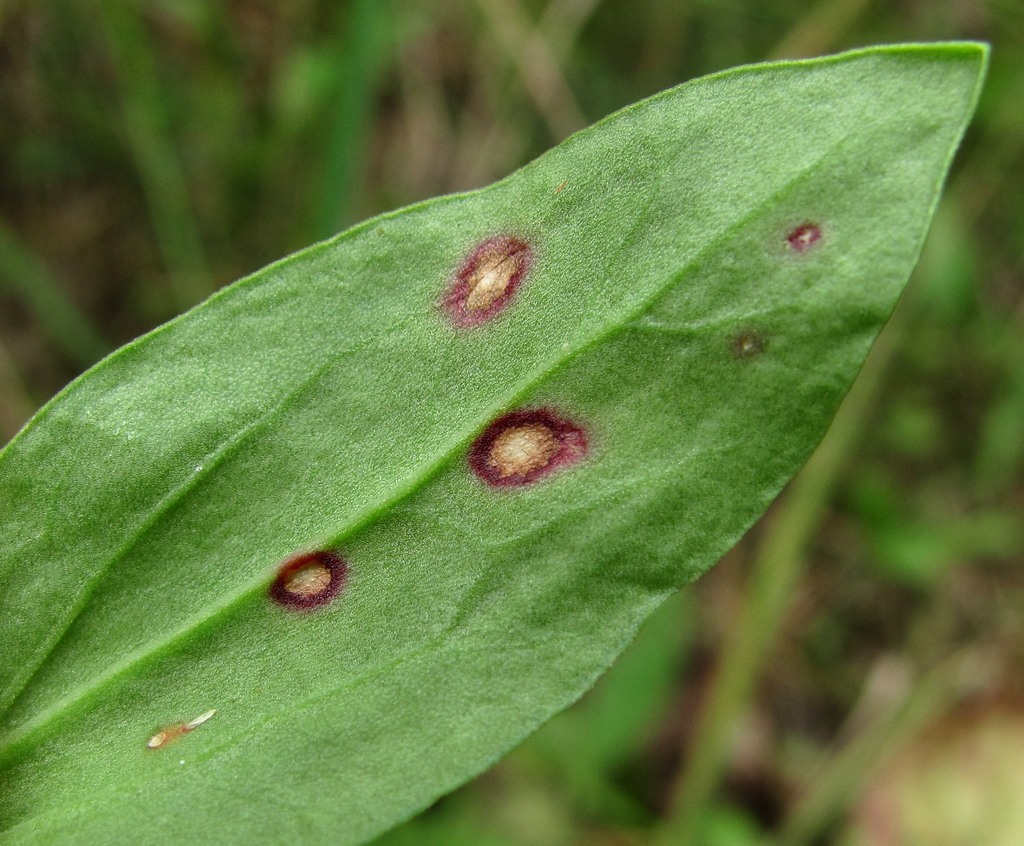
748, 344
172, 732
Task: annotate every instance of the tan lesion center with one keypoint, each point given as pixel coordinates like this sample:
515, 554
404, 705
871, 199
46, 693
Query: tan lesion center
311, 580
490, 279
522, 449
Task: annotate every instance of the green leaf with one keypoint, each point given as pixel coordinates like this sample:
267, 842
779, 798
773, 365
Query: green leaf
689, 348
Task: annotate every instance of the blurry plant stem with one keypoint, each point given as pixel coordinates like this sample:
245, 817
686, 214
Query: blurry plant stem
844, 774
362, 55
776, 569
820, 29
146, 123
535, 61
996, 153
561, 22
25, 275
15, 404
977, 185
538, 54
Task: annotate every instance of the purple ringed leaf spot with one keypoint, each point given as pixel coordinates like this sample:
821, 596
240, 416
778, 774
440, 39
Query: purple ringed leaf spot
805, 236
172, 732
526, 445
486, 282
309, 580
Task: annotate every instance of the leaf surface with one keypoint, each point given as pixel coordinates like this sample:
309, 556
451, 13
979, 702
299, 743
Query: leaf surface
704, 274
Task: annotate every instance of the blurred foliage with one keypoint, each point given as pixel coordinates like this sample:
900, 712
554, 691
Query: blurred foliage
960, 783
152, 151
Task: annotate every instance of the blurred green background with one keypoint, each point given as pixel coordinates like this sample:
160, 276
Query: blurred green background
852, 672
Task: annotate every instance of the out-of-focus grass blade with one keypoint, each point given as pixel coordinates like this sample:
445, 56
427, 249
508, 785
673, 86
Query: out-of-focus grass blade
24, 275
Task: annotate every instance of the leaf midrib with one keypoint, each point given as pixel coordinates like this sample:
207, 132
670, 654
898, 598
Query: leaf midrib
464, 608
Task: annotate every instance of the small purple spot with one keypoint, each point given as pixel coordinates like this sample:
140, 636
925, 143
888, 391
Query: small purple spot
486, 282
805, 236
309, 580
523, 446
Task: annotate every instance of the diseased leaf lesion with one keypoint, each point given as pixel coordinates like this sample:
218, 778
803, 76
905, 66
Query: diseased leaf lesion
804, 237
440, 462
173, 732
309, 580
523, 446
487, 280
